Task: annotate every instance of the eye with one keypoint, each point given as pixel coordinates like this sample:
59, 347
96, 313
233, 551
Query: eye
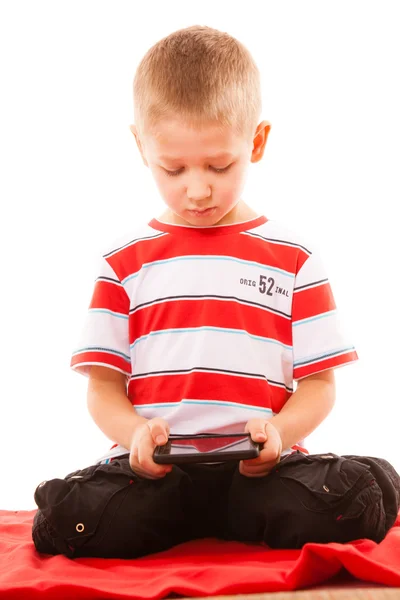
221, 170
172, 173
179, 171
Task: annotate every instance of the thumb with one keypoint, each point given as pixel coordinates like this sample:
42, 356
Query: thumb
158, 432
257, 431
260, 436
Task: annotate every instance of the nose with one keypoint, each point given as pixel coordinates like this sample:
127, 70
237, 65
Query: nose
198, 190
198, 197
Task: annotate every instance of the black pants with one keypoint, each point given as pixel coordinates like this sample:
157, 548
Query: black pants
108, 511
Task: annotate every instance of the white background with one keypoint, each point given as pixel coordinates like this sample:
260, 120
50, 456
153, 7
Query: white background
72, 180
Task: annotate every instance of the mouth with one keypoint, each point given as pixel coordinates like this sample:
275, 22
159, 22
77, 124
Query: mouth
202, 213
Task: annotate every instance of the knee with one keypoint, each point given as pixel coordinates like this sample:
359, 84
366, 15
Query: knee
108, 512
388, 480
45, 538
305, 502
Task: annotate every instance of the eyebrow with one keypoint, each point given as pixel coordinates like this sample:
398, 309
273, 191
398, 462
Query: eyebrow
215, 157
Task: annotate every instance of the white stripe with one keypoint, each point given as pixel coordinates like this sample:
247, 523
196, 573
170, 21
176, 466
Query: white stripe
317, 337
190, 417
105, 330
214, 349
207, 259
203, 277
185, 330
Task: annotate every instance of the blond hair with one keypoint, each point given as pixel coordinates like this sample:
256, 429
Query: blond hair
201, 75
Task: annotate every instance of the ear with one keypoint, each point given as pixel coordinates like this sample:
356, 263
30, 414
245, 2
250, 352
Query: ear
138, 142
259, 141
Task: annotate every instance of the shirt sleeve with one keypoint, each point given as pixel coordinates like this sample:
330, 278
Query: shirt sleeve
104, 339
319, 342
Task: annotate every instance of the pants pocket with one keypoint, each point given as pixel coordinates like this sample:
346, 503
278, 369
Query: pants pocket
74, 506
326, 483
340, 498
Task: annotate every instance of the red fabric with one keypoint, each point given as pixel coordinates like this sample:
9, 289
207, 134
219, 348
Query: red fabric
205, 567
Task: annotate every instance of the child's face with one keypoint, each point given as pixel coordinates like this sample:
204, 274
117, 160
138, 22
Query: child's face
200, 173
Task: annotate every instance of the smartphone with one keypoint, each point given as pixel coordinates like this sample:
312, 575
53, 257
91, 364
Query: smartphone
206, 448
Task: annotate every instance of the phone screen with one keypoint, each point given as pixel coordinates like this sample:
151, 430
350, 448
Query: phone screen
204, 445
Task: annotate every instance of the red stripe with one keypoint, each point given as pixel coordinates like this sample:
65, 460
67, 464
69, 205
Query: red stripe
312, 302
179, 314
101, 357
301, 260
110, 296
130, 259
323, 365
207, 386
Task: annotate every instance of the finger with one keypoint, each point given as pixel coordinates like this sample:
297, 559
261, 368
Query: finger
257, 430
258, 468
146, 447
148, 466
261, 458
260, 471
137, 468
259, 463
255, 475
150, 470
146, 475
142, 473
265, 462
274, 442
159, 430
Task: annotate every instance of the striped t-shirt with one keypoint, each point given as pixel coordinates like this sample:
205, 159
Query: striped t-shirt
211, 325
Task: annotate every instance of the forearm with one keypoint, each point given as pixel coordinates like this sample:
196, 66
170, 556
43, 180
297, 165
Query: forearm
112, 412
305, 410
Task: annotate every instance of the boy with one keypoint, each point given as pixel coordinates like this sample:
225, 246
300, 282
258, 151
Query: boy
201, 321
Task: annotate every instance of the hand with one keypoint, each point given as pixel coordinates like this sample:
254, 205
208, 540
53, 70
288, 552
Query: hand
146, 437
262, 431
